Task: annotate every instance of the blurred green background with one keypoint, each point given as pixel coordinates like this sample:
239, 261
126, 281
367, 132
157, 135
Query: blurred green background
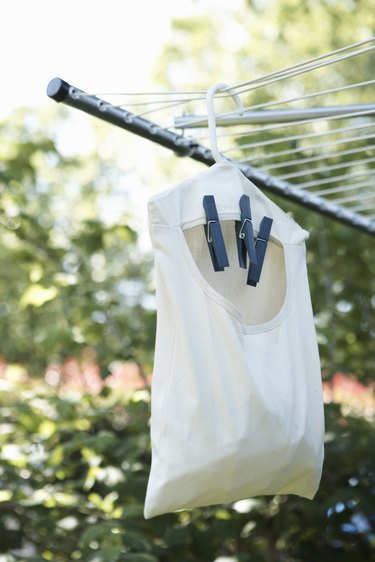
78, 317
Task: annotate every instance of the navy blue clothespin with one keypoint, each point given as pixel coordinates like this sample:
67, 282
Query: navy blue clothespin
260, 246
245, 234
214, 235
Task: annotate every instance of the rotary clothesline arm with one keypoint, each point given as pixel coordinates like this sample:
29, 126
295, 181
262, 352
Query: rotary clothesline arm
60, 91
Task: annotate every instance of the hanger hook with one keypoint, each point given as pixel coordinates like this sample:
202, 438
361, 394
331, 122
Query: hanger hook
211, 116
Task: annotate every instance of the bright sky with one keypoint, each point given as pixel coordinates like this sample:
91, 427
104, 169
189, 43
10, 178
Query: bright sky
94, 45
98, 46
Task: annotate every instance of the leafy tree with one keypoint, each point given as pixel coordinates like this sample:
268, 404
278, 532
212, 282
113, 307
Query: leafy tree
73, 474
71, 278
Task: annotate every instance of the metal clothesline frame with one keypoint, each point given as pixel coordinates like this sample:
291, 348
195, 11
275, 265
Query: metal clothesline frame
61, 91
274, 116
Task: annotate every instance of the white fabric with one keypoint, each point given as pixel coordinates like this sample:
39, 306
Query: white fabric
237, 406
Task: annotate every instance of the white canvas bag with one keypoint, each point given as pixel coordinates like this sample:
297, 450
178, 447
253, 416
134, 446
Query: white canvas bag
236, 393
237, 406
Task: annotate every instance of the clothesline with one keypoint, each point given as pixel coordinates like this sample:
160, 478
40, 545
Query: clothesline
315, 154
288, 72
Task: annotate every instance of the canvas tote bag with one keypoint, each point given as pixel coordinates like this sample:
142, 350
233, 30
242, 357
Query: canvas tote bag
237, 406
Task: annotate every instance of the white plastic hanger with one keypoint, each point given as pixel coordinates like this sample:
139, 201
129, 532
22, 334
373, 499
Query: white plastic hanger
211, 116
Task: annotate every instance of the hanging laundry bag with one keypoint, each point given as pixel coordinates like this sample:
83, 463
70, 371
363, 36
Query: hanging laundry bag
237, 406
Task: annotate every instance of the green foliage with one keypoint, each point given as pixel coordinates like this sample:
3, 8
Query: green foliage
67, 465
73, 473
71, 278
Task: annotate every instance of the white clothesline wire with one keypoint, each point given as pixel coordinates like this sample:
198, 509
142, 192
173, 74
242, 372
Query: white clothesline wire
310, 147
334, 179
344, 188
143, 93
275, 77
350, 198
362, 207
312, 95
302, 162
225, 92
301, 64
303, 70
253, 84
303, 136
327, 168
234, 86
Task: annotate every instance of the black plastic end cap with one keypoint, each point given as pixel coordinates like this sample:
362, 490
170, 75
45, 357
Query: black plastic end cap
58, 89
